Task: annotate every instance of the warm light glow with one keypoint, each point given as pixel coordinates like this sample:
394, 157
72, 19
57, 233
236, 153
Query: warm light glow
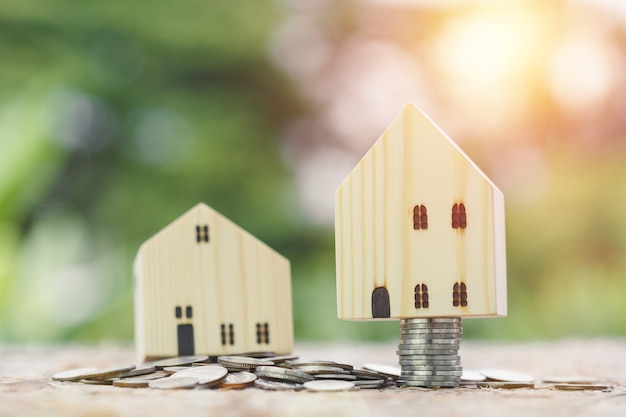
488, 59
580, 74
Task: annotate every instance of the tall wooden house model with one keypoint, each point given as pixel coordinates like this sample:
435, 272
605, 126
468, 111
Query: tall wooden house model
205, 286
419, 230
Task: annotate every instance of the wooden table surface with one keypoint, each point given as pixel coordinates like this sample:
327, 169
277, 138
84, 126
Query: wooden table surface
26, 387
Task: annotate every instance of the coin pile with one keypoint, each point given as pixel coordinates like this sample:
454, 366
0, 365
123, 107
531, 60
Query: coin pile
428, 352
266, 371
233, 372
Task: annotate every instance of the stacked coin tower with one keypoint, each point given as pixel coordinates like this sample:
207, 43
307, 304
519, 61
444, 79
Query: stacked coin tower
429, 352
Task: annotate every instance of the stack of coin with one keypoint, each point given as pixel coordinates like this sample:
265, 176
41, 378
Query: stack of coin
429, 352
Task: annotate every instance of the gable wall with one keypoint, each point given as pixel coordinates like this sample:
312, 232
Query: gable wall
233, 279
376, 243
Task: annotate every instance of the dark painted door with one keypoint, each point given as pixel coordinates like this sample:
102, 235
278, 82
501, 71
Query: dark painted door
185, 340
380, 303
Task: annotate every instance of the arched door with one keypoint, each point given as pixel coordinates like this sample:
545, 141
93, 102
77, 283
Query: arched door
380, 303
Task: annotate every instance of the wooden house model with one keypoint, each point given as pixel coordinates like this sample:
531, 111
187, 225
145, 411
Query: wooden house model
205, 286
419, 230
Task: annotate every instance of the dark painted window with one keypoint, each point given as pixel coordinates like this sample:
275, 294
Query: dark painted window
420, 217
262, 333
459, 217
202, 233
421, 296
178, 312
459, 295
227, 333
188, 312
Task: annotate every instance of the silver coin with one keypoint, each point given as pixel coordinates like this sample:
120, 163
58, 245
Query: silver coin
243, 362
142, 369
282, 358
420, 333
434, 352
432, 368
583, 387
283, 374
280, 377
131, 383
108, 373
428, 379
96, 381
432, 347
364, 374
431, 373
454, 356
237, 369
238, 380
173, 369
426, 362
446, 343
387, 370
73, 374
342, 377
506, 376
205, 375
329, 385
173, 383
431, 327
428, 350
314, 370
505, 384
179, 361
427, 384
277, 385
370, 383
153, 375
472, 376
299, 363
570, 379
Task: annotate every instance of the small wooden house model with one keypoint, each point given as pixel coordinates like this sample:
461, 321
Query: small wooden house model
205, 286
419, 230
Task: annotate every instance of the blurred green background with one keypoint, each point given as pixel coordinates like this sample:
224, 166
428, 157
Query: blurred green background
116, 117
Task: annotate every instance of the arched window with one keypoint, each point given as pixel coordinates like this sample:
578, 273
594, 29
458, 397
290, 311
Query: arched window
421, 296
420, 217
459, 295
459, 217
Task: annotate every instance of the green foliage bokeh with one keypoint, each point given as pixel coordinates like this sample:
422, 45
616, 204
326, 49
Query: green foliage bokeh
116, 117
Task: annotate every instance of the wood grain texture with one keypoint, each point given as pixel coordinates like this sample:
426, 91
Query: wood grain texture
225, 276
380, 243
